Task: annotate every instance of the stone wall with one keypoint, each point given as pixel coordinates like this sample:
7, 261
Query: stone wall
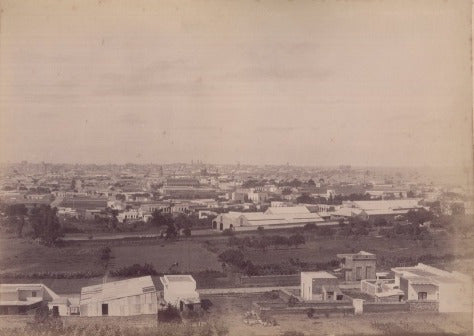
382, 307
425, 306
270, 280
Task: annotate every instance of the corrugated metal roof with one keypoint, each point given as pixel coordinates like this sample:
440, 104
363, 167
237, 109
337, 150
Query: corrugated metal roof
287, 210
117, 289
388, 204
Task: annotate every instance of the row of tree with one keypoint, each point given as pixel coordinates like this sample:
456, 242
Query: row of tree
264, 241
43, 220
173, 225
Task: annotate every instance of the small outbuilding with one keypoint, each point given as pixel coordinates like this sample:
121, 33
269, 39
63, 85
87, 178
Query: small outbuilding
320, 286
180, 291
22, 298
358, 266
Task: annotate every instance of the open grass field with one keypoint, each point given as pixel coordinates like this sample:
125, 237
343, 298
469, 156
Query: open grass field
27, 256
324, 249
190, 256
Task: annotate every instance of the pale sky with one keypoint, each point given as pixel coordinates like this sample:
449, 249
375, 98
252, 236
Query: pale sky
371, 83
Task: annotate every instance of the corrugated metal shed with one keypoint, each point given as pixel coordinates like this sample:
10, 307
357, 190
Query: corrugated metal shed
117, 289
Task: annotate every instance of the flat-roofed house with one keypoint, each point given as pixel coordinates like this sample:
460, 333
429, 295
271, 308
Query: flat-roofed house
180, 291
452, 290
135, 296
21, 298
358, 266
320, 286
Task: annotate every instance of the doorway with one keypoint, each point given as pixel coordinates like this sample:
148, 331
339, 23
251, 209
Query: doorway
105, 309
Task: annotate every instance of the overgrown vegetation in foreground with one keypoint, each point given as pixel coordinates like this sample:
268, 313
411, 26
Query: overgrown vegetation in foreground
208, 329
214, 328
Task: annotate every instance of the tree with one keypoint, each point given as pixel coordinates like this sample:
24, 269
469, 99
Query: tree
46, 224
292, 301
120, 197
170, 314
234, 257
296, 240
105, 255
187, 232
262, 244
113, 221
305, 199
182, 221
419, 216
380, 222
171, 231
160, 219
250, 269
18, 211
286, 191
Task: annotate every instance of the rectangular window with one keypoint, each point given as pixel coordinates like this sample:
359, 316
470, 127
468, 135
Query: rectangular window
358, 273
422, 295
33, 294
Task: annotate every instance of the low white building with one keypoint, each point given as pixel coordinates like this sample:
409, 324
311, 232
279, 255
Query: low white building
135, 296
130, 215
117, 205
384, 209
67, 212
452, 290
247, 221
22, 298
257, 196
320, 286
180, 291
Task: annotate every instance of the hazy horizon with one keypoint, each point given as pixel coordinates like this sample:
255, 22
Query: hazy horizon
311, 83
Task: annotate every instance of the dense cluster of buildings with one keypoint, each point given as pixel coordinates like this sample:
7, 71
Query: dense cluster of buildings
238, 195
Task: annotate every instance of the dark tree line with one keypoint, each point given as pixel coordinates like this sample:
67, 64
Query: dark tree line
43, 220
173, 224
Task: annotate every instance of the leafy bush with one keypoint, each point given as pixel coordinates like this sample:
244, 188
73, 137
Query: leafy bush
134, 270
170, 314
228, 232
51, 275
234, 257
292, 301
272, 295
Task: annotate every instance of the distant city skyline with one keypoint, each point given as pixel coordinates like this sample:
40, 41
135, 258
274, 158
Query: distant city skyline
371, 84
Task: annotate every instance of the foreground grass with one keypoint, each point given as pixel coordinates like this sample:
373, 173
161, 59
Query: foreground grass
57, 329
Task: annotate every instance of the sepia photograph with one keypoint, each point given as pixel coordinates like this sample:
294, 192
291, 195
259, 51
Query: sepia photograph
236, 167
